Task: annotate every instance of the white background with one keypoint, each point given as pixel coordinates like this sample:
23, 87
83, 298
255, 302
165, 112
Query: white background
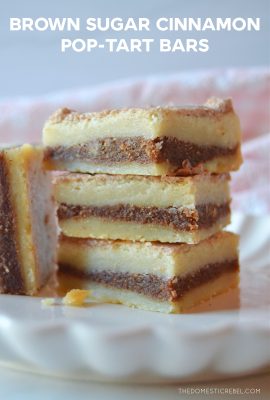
32, 64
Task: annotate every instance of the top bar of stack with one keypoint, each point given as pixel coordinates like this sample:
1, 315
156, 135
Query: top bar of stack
155, 141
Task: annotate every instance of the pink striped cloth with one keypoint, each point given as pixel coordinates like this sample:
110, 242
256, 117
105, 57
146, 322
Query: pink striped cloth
21, 119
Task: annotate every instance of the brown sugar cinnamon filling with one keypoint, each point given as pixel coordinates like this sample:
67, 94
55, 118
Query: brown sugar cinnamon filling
138, 149
11, 280
183, 218
154, 286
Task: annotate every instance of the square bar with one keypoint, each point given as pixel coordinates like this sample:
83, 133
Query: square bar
142, 208
169, 278
153, 141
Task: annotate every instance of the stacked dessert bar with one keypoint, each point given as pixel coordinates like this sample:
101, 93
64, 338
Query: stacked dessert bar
144, 202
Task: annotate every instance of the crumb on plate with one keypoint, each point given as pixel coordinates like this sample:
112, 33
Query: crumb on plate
49, 301
76, 297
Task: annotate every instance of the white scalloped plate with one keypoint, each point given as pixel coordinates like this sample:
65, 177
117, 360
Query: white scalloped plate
223, 338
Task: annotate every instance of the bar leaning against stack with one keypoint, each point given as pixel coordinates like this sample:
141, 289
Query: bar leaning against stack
28, 226
144, 202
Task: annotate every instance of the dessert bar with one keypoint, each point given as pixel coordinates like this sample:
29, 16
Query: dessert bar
152, 276
143, 208
28, 232
155, 141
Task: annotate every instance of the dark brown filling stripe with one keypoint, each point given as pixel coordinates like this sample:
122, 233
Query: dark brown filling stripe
154, 286
11, 280
203, 216
138, 149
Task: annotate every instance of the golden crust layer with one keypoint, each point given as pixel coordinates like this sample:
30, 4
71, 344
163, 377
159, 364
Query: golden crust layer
213, 107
